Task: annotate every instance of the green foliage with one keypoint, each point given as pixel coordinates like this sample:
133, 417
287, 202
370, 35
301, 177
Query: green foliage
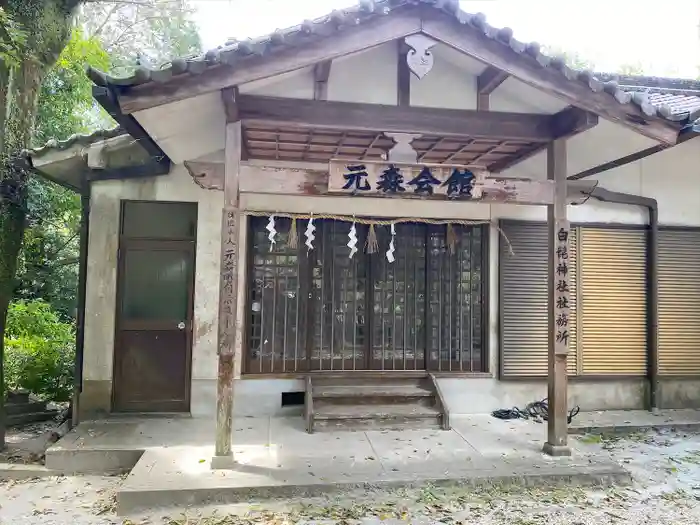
39, 351
66, 94
48, 263
635, 69
149, 33
47, 266
571, 58
12, 39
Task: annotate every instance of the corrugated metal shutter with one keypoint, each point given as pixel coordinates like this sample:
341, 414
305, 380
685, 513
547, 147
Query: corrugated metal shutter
612, 299
523, 295
679, 302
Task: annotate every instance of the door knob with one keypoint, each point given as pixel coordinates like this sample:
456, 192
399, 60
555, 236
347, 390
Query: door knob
181, 325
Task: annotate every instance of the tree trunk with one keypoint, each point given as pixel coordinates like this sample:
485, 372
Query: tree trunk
47, 24
13, 192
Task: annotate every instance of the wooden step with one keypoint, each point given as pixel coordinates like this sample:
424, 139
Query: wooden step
373, 417
363, 380
362, 401
380, 411
382, 391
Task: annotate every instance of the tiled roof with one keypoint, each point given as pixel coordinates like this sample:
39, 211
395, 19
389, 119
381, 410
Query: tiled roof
681, 95
80, 139
234, 51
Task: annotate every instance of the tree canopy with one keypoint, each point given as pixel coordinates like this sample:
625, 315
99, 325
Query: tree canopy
45, 94
155, 30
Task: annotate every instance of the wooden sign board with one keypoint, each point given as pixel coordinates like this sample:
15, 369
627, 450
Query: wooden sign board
372, 178
560, 287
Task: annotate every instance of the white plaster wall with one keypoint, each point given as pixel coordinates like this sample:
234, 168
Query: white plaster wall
368, 77
447, 85
297, 84
187, 129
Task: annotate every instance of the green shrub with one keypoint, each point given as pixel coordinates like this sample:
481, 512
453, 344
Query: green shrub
39, 351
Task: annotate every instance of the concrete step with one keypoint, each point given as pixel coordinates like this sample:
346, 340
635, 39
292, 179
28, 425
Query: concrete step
32, 417
177, 477
25, 407
17, 397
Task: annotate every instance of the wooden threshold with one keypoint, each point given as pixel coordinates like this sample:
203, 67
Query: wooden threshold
370, 373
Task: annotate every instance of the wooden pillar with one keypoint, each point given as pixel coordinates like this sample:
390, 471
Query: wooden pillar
228, 296
82, 294
559, 297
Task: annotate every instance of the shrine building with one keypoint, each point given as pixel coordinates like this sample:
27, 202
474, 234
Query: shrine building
390, 215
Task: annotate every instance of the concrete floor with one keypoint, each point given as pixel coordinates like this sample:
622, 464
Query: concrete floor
170, 459
628, 420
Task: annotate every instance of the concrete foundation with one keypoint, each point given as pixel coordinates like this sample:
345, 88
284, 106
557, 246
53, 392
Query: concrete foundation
263, 397
478, 396
276, 459
152, 484
679, 393
95, 399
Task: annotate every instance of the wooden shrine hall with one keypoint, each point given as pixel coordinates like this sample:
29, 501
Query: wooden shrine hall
375, 219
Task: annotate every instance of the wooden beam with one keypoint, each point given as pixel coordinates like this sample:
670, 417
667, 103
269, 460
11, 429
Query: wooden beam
558, 299
471, 41
490, 79
152, 169
486, 83
228, 296
327, 43
274, 180
572, 121
107, 99
403, 76
322, 72
627, 159
351, 116
229, 96
566, 123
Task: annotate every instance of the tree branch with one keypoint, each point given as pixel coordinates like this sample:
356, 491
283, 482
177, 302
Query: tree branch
61, 248
106, 19
130, 27
143, 3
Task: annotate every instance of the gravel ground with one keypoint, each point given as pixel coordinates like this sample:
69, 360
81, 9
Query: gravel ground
666, 490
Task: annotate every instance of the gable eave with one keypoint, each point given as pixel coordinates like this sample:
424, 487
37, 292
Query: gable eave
373, 23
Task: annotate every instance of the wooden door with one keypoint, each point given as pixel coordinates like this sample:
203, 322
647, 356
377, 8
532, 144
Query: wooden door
398, 297
338, 300
153, 343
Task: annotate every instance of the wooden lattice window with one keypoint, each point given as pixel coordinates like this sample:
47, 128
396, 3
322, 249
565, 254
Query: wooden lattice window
276, 335
322, 310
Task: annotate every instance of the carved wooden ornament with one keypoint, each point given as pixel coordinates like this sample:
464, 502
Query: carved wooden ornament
419, 58
403, 150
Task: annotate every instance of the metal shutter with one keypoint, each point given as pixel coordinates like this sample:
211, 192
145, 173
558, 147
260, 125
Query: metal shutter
612, 301
679, 302
523, 296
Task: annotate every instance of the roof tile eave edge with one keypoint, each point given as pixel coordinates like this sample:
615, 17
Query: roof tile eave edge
185, 67
84, 139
